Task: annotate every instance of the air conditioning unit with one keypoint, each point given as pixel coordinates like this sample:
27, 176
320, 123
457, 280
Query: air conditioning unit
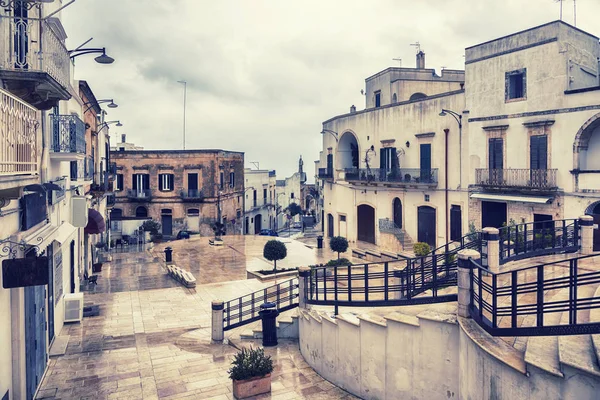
73, 307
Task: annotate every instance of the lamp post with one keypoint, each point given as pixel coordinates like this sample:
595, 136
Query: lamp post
458, 118
333, 133
244, 226
111, 104
184, 101
101, 59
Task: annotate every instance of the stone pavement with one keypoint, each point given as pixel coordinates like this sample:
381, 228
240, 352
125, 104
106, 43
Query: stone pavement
152, 337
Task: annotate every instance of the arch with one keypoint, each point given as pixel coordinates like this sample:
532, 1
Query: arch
116, 213
366, 223
397, 212
587, 136
257, 223
141, 212
347, 153
593, 208
426, 221
394, 98
417, 96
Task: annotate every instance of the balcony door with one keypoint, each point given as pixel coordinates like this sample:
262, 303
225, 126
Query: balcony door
141, 183
538, 160
425, 164
192, 184
496, 160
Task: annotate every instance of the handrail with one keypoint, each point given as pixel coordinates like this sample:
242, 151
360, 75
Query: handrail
245, 309
500, 302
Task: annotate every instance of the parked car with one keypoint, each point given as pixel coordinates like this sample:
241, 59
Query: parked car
268, 232
297, 225
183, 235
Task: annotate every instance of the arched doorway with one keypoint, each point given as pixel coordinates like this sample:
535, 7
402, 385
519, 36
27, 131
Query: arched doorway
329, 225
347, 152
141, 212
397, 212
594, 211
366, 223
257, 224
426, 225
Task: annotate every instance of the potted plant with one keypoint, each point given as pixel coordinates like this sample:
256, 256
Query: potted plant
251, 373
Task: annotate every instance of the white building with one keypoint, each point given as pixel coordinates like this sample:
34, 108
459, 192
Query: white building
289, 190
259, 201
47, 166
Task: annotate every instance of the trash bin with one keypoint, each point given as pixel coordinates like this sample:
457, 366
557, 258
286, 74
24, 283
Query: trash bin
168, 254
268, 312
319, 242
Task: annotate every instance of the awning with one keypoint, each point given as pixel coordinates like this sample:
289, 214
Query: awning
502, 197
95, 223
65, 231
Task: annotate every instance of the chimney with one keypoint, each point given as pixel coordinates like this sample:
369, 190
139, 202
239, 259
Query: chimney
352, 109
420, 60
123, 136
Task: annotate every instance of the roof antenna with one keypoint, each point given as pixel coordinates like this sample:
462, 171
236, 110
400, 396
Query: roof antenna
417, 45
575, 13
561, 4
399, 61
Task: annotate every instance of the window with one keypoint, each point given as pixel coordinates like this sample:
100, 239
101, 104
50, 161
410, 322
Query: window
292, 195
388, 158
231, 179
265, 196
254, 198
427, 198
119, 182
417, 96
516, 85
394, 98
496, 158
141, 182
141, 212
221, 179
378, 98
455, 223
538, 152
193, 212
342, 218
165, 182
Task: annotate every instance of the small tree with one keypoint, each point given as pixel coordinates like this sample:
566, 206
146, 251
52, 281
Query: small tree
274, 250
151, 226
338, 244
294, 209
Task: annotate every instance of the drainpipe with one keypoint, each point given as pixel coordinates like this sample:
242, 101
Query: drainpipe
446, 131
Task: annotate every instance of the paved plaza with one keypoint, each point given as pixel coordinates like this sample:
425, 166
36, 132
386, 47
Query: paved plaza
152, 337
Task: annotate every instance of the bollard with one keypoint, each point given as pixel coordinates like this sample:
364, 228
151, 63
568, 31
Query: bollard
464, 280
268, 313
217, 334
586, 224
492, 235
319, 242
168, 255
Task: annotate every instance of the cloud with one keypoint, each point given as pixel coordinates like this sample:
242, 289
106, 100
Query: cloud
262, 75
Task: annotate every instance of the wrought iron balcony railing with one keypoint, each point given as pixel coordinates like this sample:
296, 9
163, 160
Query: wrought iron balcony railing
404, 176
32, 46
139, 194
517, 178
18, 136
325, 173
192, 195
68, 134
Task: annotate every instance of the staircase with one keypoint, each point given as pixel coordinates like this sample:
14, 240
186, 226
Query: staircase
406, 242
287, 327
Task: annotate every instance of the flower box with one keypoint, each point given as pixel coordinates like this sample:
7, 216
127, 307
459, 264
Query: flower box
251, 387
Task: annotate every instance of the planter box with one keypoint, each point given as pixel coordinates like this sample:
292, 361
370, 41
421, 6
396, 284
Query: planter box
252, 387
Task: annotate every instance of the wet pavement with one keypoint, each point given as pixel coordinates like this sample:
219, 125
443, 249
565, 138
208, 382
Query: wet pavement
152, 337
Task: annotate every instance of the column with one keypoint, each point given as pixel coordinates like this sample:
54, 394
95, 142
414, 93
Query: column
492, 235
217, 321
464, 280
586, 233
303, 274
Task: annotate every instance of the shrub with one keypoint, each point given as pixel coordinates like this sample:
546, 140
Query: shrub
421, 249
340, 262
151, 226
294, 209
338, 244
250, 363
274, 250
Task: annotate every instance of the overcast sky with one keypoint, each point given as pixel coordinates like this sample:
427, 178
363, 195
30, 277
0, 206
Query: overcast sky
263, 75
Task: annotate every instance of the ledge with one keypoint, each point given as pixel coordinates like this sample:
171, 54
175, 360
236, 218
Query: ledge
534, 124
424, 135
495, 127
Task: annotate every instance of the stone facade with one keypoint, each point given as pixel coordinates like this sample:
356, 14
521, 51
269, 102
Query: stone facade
188, 208
259, 202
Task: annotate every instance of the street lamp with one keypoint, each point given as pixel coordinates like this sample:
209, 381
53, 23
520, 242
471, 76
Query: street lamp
333, 133
458, 118
101, 59
105, 124
111, 104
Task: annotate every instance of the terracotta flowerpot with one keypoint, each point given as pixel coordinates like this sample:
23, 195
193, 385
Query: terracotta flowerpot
252, 387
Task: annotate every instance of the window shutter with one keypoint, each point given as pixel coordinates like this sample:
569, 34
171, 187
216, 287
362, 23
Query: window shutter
394, 161
539, 152
425, 156
171, 179
499, 158
134, 185
119, 181
146, 181
382, 154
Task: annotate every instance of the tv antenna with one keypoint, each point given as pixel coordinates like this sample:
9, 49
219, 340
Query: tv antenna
575, 13
561, 7
399, 61
255, 163
417, 45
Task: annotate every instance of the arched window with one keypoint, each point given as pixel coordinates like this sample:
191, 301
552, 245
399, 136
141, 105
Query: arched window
394, 98
193, 212
417, 96
141, 212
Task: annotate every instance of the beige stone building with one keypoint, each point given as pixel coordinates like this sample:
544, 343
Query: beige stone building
259, 205
180, 189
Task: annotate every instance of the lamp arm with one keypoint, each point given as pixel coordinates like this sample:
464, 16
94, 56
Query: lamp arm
81, 52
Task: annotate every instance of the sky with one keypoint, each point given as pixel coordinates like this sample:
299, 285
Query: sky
262, 75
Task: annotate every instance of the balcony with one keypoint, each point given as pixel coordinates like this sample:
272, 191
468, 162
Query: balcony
396, 177
139, 194
192, 195
19, 137
68, 138
110, 200
529, 179
34, 62
325, 173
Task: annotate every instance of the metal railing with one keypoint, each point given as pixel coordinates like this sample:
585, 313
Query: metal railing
18, 136
243, 310
540, 300
68, 134
538, 238
517, 178
406, 176
30, 45
387, 225
142, 194
192, 194
325, 173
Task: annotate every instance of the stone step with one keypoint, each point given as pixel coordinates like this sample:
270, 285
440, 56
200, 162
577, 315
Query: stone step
577, 351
